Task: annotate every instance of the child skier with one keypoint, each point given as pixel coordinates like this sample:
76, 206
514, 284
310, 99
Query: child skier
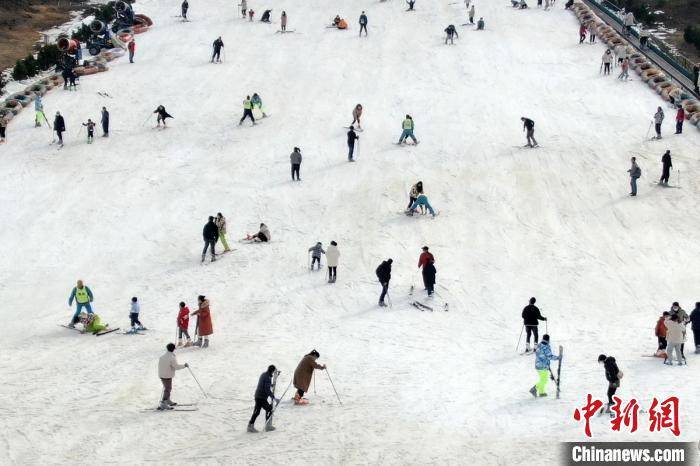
183, 323
408, 126
332, 256
316, 252
134, 315
543, 358
92, 323
257, 103
90, 130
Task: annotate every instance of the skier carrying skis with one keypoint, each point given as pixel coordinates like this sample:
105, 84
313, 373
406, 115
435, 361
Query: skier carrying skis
162, 115
184, 7
383, 273
38, 111
295, 159
316, 252
429, 273
680, 117
262, 393
529, 129
210, 234
531, 320
667, 164
416, 190
422, 201
183, 323
451, 33
59, 126
204, 325
332, 256
83, 297
303, 374
247, 111
543, 358
167, 365
635, 173
262, 236
363, 24
257, 103
408, 126
105, 122
612, 375
695, 320
658, 119
356, 115
90, 130
283, 21
352, 137
220, 222
606, 61
134, 314
218, 44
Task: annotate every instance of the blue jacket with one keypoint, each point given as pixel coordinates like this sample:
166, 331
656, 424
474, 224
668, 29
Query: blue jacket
543, 356
264, 389
38, 106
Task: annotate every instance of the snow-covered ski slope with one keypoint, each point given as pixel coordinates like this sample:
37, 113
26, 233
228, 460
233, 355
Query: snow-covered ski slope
125, 214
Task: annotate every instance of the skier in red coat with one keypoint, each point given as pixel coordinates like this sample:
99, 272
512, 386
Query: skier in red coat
132, 50
425, 257
183, 323
680, 116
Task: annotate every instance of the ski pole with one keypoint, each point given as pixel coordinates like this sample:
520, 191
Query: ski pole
333, 385
314, 382
274, 408
388, 298
146, 120
521, 337
546, 326
195, 379
649, 129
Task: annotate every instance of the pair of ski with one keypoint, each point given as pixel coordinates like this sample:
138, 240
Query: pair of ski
97, 334
425, 307
177, 407
134, 331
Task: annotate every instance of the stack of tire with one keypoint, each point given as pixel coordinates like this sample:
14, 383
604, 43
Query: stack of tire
16, 102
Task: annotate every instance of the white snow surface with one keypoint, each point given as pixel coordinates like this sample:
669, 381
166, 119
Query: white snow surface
125, 214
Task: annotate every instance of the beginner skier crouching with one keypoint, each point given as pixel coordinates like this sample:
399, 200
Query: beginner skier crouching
262, 393
408, 126
421, 201
451, 34
543, 358
303, 374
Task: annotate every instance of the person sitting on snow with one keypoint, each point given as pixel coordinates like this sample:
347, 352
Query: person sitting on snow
262, 236
92, 323
480, 24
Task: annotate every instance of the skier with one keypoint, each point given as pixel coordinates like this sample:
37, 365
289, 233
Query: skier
247, 111
265, 18
383, 273
408, 127
658, 119
531, 320
667, 165
421, 201
210, 233
221, 225
90, 130
134, 314
184, 7
591, 31
356, 115
92, 323
680, 116
529, 128
624, 74
38, 111
635, 173
695, 319
257, 103
244, 7
83, 297
581, 33
471, 15
218, 44
339, 23
262, 236
480, 24
167, 365
606, 61
451, 33
425, 257
3, 125
411, 3
183, 323
416, 190
283, 21
332, 256
162, 115
363, 23
204, 325
262, 393
132, 50
543, 358
295, 159
612, 375
316, 252
59, 126
352, 136
429, 273
303, 374
105, 122
660, 332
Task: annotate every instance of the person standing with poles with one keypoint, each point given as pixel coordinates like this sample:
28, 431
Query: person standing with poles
59, 126
262, 393
183, 8
283, 22
210, 233
363, 24
244, 7
303, 374
204, 325
105, 122
635, 173
543, 359
167, 366
352, 137
612, 375
218, 44
295, 159
383, 273
667, 164
531, 316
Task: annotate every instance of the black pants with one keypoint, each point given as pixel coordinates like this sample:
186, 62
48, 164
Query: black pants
209, 244
657, 127
261, 404
351, 150
333, 270
60, 136
592, 40
662, 342
581, 38
167, 387
606, 68
679, 127
2, 132
665, 174
105, 128
385, 290
262, 238
181, 332
91, 134
247, 113
300, 392
363, 27
135, 319
316, 260
532, 330
429, 284
411, 200
471, 19
612, 388
217, 55
295, 169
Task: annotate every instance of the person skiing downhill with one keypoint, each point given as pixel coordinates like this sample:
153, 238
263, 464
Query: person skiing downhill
162, 115
316, 252
529, 129
416, 190
167, 366
451, 34
283, 21
262, 236
247, 111
407, 130
303, 374
667, 164
217, 45
220, 222
210, 234
262, 393
204, 325
59, 126
635, 173
543, 358
658, 119
332, 257
363, 24
383, 273
257, 103
531, 316
421, 201
624, 74
83, 297
295, 158
356, 115
352, 137
183, 324
90, 130
612, 375
134, 312
105, 122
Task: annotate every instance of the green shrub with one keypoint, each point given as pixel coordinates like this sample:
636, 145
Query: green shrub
31, 65
19, 72
691, 34
48, 56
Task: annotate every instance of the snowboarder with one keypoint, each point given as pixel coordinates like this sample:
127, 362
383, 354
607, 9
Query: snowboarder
221, 225
480, 24
167, 365
543, 358
429, 273
425, 257
316, 252
184, 7
204, 325
283, 21
667, 164
416, 190
606, 61
295, 159
244, 7
695, 320
658, 119
680, 117
612, 375
59, 126
408, 127
675, 336
581, 33
451, 33
635, 173
262, 236
247, 110
529, 128
303, 374
265, 18
332, 256
3, 126
216, 56
38, 111
531, 320
105, 122
183, 324
363, 24
352, 137
624, 74
383, 273
257, 103
422, 201
83, 297
356, 115
660, 332
134, 314
471, 15
262, 393
162, 115
90, 130
411, 3
210, 233
132, 50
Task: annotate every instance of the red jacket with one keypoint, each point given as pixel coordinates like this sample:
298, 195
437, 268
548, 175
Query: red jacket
680, 116
660, 330
132, 46
424, 258
183, 318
